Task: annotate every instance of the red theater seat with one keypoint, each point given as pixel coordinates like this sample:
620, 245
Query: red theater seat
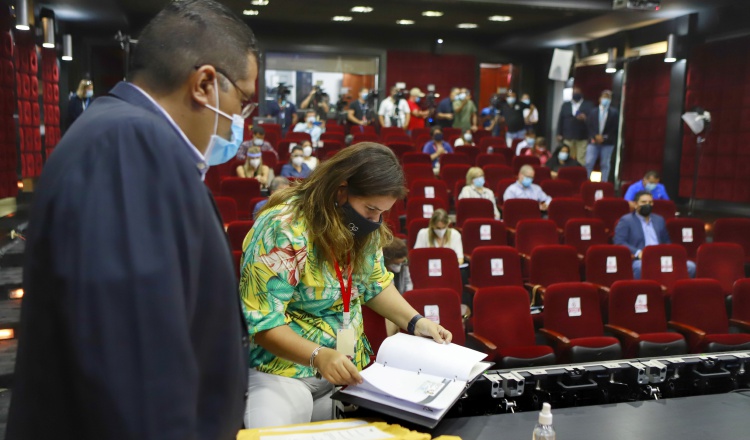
227, 207
495, 266
666, 272
445, 303
582, 233
574, 175
420, 207
593, 191
734, 230
435, 268
690, 233
610, 210
242, 190
429, 189
558, 189
237, 231
473, 209
413, 228
482, 232
723, 262
561, 210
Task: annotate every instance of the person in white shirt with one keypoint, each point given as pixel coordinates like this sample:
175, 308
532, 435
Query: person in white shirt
439, 235
475, 189
525, 189
467, 139
528, 142
310, 126
309, 159
394, 112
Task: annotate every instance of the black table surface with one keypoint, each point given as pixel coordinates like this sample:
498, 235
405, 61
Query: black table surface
714, 417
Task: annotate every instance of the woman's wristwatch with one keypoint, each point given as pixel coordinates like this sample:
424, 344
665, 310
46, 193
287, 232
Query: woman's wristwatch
411, 327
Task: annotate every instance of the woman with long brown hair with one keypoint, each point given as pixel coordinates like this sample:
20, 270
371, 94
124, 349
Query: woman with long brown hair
313, 258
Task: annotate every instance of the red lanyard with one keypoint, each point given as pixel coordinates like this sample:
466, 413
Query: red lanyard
346, 290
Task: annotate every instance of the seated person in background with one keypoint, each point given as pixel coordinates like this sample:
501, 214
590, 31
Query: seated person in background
525, 189
467, 139
310, 160
475, 189
254, 168
527, 142
437, 146
296, 166
540, 151
561, 159
641, 228
394, 256
258, 140
439, 235
276, 184
310, 126
650, 183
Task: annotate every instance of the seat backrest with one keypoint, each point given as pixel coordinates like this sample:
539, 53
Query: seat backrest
473, 208
227, 207
593, 191
558, 189
269, 158
531, 233
503, 185
395, 137
690, 233
237, 231
416, 157
420, 207
520, 161
582, 233
700, 303
637, 305
561, 210
665, 208
507, 153
470, 152
495, 266
298, 136
453, 172
413, 228
492, 141
607, 263
541, 174
741, 300
574, 175
724, 262
665, 263
610, 210
429, 189
483, 232
451, 131
572, 309
329, 136
374, 327
414, 171
364, 137
399, 149
242, 190
515, 210
272, 128
332, 127
484, 159
434, 268
554, 264
494, 173
422, 131
454, 159
445, 303
734, 230
502, 315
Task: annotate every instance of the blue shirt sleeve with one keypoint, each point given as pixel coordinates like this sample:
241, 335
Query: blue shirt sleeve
632, 190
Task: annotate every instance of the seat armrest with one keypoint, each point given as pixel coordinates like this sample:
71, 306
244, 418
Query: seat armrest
740, 324
481, 343
473, 289
686, 329
535, 291
526, 257
622, 332
511, 230
557, 340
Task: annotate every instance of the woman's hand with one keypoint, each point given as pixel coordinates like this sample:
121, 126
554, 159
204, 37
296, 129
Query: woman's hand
429, 329
337, 368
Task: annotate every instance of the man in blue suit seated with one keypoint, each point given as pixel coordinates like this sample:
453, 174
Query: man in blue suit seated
642, 228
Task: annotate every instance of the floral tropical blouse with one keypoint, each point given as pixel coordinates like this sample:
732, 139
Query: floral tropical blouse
284, 280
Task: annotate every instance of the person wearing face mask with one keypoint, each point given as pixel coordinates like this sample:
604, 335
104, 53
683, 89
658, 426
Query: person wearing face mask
307, 151
394, 111
561, 159
296, 167
310, 126
444, 113
475, 189
465, 112
80, 100
530, 113
284, 111
466, 139
439, 235
258, 140
313, 259
357, 114
527, 143
539, 151
131, 323
417, 119
254, 168
603, 124
571, 124
511, 113
524, 188
395, 257
649, 183
437, 146
642, 228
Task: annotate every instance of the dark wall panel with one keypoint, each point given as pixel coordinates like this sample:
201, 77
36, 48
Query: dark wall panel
417, 69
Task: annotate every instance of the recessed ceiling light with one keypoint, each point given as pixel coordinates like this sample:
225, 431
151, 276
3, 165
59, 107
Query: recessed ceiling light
467, 26
342, 18
440, 41
500, 18
405, 22
432, 14
362, 9
259, 2
250, 12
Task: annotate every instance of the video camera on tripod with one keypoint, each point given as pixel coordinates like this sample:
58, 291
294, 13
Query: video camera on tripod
282, 90
496, 101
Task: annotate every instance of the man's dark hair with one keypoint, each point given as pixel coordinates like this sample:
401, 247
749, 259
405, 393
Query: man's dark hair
297, 148
395, 250
190, 33
641, 193
257, 129
650, 174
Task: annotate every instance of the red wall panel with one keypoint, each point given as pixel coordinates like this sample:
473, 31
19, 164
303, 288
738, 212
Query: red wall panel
592, 80
417, 69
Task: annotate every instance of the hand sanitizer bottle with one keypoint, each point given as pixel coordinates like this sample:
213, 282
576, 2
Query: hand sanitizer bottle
543, 429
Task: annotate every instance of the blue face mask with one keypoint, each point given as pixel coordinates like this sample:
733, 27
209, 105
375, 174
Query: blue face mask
650, 187
606, 102
478, 181
526, 182
562, 157
526, 101
530, 142
511, 101
220, 150
89, 93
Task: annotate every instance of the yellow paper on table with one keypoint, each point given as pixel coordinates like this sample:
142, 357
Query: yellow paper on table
345, 429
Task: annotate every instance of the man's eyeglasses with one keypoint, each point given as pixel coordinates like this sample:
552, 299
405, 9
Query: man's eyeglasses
248, 106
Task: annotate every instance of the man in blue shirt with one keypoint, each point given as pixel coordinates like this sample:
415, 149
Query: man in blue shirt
649, 183
284, 111
525, 189
444, 115
642, 228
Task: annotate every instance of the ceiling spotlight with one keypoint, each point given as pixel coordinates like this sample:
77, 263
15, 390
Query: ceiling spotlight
48, 27
67, 48
342, 18
500, 18
440, 41
250, 12
22, 15
362, 9
467, 26
259, 2
432, 14
670, 57
405, 22
611, 60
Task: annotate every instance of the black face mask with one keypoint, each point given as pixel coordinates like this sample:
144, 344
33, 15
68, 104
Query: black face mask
577, 97
438, 137
645, 210
358, 225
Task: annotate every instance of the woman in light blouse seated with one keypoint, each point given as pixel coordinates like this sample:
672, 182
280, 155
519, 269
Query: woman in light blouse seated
254, 168
439, 235
475, 189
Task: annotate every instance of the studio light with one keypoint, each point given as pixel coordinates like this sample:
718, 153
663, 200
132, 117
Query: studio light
67, 48
611, 60
669, 56
22, 15
48, 26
